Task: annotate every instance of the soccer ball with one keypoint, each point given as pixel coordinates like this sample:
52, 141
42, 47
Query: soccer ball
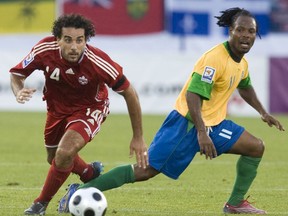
88, 202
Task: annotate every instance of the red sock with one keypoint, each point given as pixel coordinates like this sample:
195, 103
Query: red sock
82, 169
54, 180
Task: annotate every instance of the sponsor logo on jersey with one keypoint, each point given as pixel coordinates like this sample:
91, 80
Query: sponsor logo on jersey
137, 8
69, 71
83, 80
28, 60
208, 74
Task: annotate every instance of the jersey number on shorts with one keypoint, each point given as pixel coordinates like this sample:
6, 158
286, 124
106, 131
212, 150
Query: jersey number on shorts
94, 115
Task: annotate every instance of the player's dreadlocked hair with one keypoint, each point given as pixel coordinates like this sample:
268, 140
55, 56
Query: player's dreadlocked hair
229, 16
75, 21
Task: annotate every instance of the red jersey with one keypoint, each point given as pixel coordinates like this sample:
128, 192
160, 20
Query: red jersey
70, 87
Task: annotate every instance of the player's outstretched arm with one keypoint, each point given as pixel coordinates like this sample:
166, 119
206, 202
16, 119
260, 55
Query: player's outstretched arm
205, 143
21, 93
249, 95
137, 144
270, 120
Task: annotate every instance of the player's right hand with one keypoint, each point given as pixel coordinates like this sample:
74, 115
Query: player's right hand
24, 95
206, 146
138, 146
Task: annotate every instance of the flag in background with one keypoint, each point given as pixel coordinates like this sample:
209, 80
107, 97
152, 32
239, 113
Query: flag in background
120, 17
196, 17
20, 16
185, 22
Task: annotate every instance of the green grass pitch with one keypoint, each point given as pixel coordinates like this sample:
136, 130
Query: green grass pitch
201, 190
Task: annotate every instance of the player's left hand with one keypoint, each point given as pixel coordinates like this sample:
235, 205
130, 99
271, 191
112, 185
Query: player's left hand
139, 147
270, 120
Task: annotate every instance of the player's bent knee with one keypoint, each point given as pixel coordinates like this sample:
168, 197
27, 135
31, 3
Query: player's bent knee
64, 158
261, 147
142, 174
258, 149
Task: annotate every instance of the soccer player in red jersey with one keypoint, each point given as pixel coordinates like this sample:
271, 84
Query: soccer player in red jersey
198, 121
77, 78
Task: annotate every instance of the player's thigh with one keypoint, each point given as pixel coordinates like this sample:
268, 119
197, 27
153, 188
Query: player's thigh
72, 142
87, 122
174, 146
248, 145
54, 130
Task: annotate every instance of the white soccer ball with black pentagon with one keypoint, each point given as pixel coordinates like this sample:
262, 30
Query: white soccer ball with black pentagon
88, 202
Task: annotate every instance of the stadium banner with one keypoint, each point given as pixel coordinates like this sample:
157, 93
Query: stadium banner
278, 85
119, 17
26, 16
196, 17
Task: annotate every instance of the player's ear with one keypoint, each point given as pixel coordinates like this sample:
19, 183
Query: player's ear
58, 39
59, 36
230, 30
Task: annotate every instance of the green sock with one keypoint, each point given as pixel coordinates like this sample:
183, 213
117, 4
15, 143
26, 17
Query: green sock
246, 172
112, 179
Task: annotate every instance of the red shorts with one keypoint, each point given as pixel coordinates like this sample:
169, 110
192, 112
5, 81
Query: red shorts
86, 122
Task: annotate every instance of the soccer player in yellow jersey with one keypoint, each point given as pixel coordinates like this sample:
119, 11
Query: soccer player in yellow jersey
198, 122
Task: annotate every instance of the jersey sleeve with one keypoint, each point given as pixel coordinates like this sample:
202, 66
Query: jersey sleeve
122, 84
198, 87
30, 63
203, 76
112, 72
245, 83
246, 80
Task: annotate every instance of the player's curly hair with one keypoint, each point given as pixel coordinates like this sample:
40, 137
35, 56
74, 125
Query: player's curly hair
229, 16
75, 21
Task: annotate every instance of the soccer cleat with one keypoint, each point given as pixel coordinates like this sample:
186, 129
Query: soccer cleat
98, 168
37, 208
244, 207
64, 201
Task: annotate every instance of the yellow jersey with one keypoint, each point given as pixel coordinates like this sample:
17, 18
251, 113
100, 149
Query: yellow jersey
215, 77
